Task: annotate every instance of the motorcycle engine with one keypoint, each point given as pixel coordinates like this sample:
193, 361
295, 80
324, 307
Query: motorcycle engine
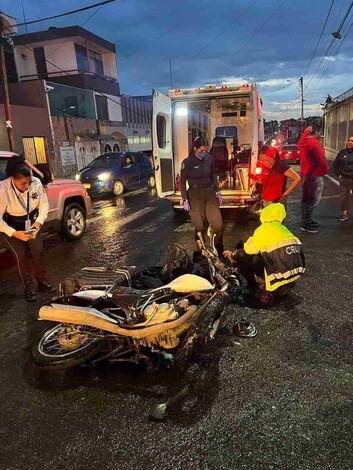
160, 312
157, 313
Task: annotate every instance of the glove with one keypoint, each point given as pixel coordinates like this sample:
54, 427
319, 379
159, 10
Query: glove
219, 197
186, 205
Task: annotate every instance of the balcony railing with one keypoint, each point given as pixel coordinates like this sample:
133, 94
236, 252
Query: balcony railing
65, 73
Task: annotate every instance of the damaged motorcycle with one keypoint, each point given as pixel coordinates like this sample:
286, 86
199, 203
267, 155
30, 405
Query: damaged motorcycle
101, 315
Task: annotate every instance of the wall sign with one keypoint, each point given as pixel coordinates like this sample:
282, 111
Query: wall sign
68, 155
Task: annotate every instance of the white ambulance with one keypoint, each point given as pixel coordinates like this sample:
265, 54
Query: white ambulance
230, 117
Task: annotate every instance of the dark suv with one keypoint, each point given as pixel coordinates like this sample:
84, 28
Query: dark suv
117, 172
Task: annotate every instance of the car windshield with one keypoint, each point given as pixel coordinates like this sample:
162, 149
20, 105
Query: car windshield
3, 163
105, 161
289, 147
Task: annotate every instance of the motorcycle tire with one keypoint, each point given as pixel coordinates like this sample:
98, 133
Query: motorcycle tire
52, 350
199, 332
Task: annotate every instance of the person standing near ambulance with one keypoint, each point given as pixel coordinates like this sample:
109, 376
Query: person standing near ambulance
203, 197
23, 209
274, 177
343, 168
313, 168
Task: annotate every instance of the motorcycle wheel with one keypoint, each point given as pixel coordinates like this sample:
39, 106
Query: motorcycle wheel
204, 328
64, 346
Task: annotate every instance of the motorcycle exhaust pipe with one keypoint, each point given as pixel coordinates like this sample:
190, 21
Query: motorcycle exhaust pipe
95, 319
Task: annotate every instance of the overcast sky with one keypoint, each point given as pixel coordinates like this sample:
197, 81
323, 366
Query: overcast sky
218, 41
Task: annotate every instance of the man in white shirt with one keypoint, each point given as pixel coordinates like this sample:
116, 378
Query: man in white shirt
23, 209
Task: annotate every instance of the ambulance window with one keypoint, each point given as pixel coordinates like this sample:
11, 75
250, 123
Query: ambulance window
226, 131
161, 131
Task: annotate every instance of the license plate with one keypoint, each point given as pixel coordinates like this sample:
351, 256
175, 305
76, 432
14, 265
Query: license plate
87, 185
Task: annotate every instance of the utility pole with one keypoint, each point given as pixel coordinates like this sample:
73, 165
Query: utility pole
301, 98
171, 74
5, 88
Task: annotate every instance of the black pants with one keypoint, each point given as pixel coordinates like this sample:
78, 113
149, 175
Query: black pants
22, 252
346, 186
249, 265
204, 209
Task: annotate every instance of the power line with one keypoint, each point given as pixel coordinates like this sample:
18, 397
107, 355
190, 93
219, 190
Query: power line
263, 24
224, 31
247, 42
275, 91
61, 14
344, 19
24, 15
339, 14
318, 42
85, 22
336, 50
285, 110
326, 54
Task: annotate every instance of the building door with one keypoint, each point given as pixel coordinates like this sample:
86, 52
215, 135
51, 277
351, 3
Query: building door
35, 149
41, 64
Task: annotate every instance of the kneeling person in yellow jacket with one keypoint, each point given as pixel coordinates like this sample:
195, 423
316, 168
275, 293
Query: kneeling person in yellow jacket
272, 253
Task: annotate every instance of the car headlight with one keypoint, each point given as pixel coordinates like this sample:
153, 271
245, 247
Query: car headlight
104, 176
78, 176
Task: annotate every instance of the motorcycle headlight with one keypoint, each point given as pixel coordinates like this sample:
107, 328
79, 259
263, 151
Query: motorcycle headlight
78, 176
104, 176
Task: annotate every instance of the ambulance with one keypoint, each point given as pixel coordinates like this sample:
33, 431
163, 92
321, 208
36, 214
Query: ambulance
230, 118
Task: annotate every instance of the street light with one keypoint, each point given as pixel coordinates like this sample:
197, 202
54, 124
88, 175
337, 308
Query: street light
290, 81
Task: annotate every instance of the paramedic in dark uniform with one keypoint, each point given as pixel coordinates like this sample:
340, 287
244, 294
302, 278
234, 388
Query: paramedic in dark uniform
202, 198
23, 206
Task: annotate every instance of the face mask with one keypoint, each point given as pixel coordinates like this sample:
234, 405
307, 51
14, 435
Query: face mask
202, 154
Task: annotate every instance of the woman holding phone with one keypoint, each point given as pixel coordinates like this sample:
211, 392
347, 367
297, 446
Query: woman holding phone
23, 209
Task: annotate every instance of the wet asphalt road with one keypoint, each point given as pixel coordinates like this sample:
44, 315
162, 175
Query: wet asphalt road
282, 400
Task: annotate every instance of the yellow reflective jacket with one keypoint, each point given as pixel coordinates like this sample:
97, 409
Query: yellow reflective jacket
281, 251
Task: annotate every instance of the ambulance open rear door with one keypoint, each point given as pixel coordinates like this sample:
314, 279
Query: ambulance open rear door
162, 144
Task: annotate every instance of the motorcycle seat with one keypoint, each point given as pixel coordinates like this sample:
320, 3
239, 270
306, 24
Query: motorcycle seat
126, 297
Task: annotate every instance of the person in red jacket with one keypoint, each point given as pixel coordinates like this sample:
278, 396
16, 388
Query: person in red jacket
313, 168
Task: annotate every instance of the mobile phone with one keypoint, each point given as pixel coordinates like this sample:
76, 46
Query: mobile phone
31, 230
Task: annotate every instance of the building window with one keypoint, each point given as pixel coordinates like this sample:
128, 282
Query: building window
116, 148
81, 57
102, 107
34, 149
107, 148
96, 62
41, 64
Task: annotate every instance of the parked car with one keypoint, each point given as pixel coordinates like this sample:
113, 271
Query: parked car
69, 203
117, 172
289, 153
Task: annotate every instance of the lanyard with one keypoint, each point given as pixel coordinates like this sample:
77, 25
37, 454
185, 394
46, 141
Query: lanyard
20, 200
